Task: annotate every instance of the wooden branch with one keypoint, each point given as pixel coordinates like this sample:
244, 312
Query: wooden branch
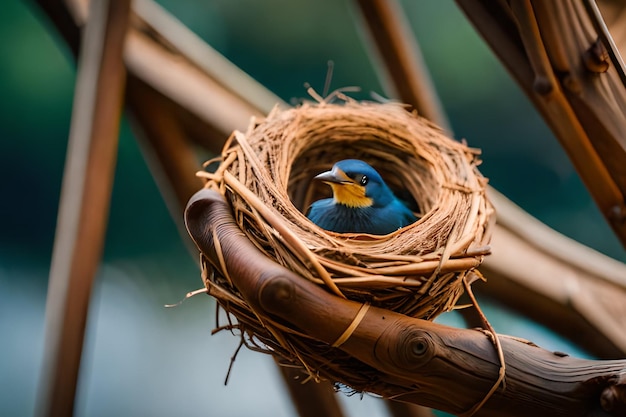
84, 205
402, 64
169, 154
550, 49
164, 141
311, 399
614, 14
571, 288
402, 409
213, 96
414, 357
164, 28
184, 83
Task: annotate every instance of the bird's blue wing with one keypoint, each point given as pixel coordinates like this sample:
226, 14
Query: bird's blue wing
392, 217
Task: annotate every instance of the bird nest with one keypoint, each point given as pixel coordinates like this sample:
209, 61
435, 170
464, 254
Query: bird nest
267, 176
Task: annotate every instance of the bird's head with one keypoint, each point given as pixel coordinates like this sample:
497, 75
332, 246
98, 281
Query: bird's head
356, 184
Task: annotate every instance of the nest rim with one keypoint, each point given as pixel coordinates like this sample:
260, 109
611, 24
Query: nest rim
266, 173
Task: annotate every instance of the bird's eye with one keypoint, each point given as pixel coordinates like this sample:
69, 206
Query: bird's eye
364, 180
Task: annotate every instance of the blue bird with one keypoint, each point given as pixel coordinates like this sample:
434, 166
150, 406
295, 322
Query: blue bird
361, 202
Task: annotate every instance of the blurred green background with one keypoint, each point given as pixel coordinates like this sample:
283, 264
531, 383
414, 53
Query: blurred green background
143, 359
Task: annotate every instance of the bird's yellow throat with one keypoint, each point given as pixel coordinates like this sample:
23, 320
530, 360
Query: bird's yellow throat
351, 195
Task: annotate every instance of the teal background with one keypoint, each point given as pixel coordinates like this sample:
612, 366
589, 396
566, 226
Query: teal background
143, 359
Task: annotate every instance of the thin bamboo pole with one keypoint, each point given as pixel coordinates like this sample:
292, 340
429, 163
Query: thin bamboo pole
311, 399
402, 66
84, 205
169, 154
400, 409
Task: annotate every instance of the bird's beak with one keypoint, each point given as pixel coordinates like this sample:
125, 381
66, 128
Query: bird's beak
335, 175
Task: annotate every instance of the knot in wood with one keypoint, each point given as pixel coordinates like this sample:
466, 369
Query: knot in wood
617, 214
277, 293
542, 85
414, 349
613, 399
571, 83
596, 58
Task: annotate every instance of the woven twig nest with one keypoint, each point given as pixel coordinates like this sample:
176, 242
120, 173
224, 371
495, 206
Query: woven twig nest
266, 174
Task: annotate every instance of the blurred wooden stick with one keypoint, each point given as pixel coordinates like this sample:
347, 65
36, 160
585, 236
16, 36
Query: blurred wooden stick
552, 50
574, 290
400, 409
401, 64
311, 399
84, 204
